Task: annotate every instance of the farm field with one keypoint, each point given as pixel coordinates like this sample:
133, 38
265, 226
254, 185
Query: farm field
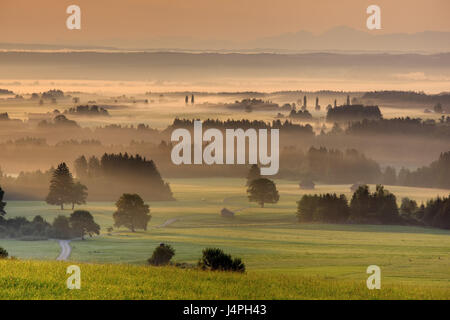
269, 240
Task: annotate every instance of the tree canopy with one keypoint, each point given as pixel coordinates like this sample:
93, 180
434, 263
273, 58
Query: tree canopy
263, 191
82, 223
131, 212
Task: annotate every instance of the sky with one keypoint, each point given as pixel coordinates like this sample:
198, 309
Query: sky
122, 23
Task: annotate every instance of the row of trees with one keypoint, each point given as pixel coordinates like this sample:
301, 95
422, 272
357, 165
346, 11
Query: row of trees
400, 126
286, 126
435, 213
378, 207
79, 224
329, 165
436, 175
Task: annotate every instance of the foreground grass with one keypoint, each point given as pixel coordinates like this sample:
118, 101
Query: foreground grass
47, 280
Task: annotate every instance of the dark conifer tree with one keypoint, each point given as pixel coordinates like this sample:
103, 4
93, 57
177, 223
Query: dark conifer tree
61, 187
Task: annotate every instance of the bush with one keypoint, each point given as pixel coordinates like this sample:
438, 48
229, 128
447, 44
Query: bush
162, 255
3, 253
216, 259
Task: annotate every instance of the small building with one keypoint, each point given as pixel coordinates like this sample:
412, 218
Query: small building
226, 213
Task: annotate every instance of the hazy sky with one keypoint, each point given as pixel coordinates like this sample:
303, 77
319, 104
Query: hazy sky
126, 21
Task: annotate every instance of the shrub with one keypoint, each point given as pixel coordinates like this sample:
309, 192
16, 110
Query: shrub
162, 255
216, 259
3, 253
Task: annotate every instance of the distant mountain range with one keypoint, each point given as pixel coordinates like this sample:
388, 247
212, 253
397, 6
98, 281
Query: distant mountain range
334, 40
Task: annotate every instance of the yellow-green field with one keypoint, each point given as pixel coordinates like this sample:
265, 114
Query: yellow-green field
47, 280
284, 259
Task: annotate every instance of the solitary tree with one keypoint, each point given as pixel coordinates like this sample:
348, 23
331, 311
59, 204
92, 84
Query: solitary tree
83, 223
263, 191
253, 174
2, 204
79, 194
61, 187
132, 212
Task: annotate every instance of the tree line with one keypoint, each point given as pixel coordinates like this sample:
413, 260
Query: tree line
244, 124
378, 207
402, 126
358, 112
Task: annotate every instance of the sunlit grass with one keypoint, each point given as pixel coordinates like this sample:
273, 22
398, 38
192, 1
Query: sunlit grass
47, 280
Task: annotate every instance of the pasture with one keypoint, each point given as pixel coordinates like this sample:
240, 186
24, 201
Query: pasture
269, 240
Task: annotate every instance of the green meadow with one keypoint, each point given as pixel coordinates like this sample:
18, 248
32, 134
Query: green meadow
284, 259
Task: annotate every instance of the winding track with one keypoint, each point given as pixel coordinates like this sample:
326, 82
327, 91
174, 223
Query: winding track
65, 250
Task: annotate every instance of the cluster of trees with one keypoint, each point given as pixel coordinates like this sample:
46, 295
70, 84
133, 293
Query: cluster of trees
347, 113
403, 126
52, 94
253, 105
300, 114
436, 175
378, 207
435, 213
87, 110
64, 189
323, 208
329, 165
79, 224
128, 171
6, 91
60, 121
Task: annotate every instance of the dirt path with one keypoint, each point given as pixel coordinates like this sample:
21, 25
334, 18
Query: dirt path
167, 223
65, 250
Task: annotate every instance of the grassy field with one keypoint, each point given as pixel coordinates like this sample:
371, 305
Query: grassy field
47, 280
270, 241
